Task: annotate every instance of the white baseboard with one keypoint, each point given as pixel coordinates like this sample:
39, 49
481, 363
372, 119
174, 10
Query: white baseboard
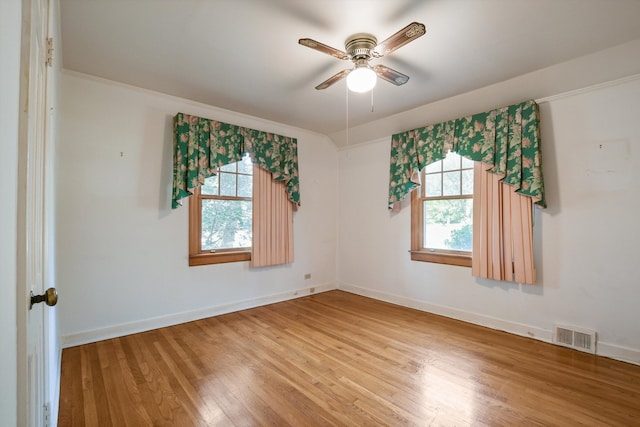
94, 335
605, 349
476, 319
612, 351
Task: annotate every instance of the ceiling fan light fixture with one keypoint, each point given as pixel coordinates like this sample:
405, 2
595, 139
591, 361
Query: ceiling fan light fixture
361, 79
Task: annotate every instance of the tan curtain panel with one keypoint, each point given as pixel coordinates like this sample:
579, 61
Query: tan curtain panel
502, 230
272, 221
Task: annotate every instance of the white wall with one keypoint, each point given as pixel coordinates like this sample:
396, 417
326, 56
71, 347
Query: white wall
10, 30
122, 252
586, 241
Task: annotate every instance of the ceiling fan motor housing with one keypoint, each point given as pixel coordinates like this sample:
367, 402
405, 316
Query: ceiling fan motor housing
359, 46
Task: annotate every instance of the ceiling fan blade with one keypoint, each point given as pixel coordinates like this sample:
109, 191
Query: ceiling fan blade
391, 75
321, 47
333, 79
399, 39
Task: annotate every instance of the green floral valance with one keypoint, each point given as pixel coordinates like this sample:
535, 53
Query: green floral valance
507, 138
203, 145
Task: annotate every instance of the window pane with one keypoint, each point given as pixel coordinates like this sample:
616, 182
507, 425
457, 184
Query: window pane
451, 183
467, 181
210, 186
466, 163
245, 165
451, 162
434, 167
245, 185
433, 186
448, 224
227, 184
228, 168
226, 224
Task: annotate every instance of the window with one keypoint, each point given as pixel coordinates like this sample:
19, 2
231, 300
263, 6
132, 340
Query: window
442, 212
220, 211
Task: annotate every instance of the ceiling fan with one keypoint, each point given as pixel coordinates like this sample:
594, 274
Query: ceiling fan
360, 49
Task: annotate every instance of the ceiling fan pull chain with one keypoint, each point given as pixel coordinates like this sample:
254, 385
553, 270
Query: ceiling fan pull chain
346, 88
372, 100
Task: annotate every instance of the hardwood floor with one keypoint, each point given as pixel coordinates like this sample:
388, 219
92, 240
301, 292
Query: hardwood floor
340, 359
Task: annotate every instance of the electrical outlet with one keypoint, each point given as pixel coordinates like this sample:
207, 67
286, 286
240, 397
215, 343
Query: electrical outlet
307, 276
312, 290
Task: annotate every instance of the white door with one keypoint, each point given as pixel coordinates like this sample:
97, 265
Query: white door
32, 375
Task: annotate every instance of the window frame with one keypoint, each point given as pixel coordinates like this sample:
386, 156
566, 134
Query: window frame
418, 251
197, 256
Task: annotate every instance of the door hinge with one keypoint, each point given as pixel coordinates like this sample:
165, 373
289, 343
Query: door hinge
49, 51
47, 415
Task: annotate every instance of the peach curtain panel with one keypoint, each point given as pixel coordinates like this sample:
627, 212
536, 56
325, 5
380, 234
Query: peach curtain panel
272, 221
502, 230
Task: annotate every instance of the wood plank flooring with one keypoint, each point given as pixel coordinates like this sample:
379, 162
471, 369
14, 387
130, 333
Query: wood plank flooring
337, 359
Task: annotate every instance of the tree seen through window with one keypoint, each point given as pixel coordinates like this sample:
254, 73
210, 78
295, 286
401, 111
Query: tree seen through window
447, 197
227, 207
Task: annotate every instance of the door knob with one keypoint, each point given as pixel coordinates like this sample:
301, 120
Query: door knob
50, 297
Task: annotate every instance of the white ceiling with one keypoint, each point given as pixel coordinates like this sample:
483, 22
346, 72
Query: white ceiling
243, 55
